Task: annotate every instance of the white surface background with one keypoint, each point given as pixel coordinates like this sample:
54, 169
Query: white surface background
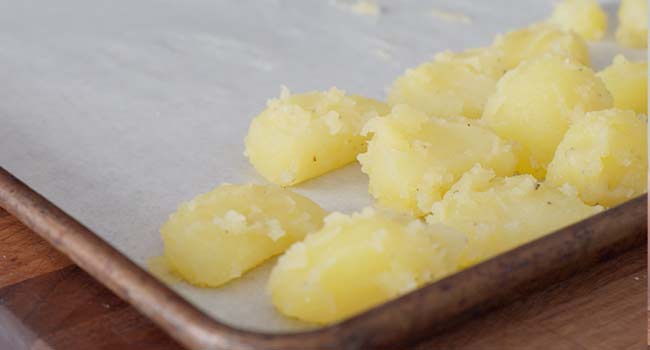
119, 110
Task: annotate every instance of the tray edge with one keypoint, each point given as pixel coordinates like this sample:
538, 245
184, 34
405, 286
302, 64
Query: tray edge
433, 307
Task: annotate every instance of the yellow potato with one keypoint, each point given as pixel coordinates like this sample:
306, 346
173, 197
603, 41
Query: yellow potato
358, 261
539, 40
486, 60
585, 17
633, 23
535, 103
604, 156
413, 159
451, 85
218, 236
298, 137
628, 83
498, 214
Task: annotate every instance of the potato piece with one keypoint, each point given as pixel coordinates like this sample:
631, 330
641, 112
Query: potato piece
539, 40
632, 30
413, 159
628, 83
498, 214
535, 103
604, 156
486, 60
452, 85
219, 235
298, 137
585, 17
356, 262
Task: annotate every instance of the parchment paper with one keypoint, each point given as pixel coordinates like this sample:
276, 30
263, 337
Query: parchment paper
119, 110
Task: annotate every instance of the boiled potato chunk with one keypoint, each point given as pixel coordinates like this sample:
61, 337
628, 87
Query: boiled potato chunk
412, 159
628, 83
633, 23
535, 103
604, 156
584, 17
486, 60
539, 40
358, 261
219, 235
298, 137
498, 214
451, 85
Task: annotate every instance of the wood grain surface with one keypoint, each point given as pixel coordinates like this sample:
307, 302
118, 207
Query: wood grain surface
46, 302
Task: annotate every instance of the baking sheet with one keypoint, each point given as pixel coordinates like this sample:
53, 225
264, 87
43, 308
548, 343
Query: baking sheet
117, 111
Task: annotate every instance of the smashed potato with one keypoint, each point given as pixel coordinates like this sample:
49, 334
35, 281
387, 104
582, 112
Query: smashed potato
452, 85
498, 214
628, 83
355, 262
604, 156
496, 146
539, 40
535, 103
412, 159
219, 235
632, 30
585, 17
298, 137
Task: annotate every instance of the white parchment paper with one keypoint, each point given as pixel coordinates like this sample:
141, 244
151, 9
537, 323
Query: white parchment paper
118, 110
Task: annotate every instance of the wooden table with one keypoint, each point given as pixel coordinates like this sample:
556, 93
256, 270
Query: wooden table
46, 302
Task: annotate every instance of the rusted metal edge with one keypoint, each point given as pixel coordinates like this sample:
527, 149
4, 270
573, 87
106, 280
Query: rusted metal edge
416, 315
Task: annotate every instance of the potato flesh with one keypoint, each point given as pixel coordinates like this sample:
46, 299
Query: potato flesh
451, 85
498, 214
584, 17
458, 84
358, 261
633, 23
539, 40
628, 83
218, 236
535, 103
485, 60
604, 156
413, 159
298, 137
